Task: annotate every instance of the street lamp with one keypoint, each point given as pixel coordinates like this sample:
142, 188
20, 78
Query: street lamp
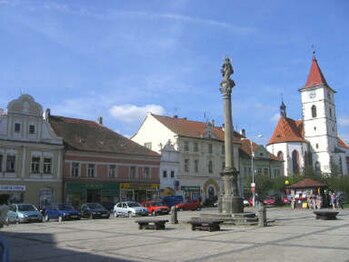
253, 184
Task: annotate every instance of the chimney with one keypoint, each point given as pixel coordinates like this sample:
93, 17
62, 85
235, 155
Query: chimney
175, 116
243, 132
100, 120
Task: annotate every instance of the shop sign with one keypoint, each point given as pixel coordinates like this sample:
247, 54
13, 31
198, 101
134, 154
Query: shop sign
12, 187
190, 188
137, 186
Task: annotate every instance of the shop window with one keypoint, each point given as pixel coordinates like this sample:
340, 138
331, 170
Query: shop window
47, 165
196, 166
10, 163
91, 170
210, 167
75, 169
35, 166
17, 127
31, 129
186, 165
112, 171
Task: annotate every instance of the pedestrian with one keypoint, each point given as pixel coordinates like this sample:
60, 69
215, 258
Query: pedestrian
334, 200
339, 201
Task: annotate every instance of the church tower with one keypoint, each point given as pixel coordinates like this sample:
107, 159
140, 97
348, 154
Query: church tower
319, 118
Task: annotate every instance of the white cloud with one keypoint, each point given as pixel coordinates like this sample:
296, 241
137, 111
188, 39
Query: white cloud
343, 121
130, 113
275, 117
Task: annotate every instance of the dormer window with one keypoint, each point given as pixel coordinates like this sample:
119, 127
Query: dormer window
17, 127
31, 129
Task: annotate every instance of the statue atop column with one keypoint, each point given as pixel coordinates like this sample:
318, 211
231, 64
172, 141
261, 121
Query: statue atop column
227, 70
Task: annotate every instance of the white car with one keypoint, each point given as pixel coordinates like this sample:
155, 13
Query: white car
130, 209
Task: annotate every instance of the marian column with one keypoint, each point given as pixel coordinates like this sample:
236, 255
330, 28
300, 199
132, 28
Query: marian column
231, 202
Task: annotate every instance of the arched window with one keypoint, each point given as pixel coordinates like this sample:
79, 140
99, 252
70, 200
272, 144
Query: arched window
313, 111
211, 193
295, 162
280, 155
317, 167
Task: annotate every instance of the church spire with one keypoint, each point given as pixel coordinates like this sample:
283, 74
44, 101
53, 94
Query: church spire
315, 76
283, 109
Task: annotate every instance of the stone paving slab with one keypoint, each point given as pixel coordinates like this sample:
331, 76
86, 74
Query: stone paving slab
294, 236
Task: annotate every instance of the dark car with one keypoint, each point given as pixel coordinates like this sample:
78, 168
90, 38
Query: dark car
189, 205
60, 211
94, 210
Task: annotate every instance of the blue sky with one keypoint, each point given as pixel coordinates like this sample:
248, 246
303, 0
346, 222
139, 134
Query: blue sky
121, 59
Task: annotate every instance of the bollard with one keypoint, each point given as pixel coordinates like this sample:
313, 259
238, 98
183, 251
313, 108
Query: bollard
60, 219
174, 219
262, 216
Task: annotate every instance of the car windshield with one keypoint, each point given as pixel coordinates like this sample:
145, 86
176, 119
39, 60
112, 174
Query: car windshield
133, 204
26, 208
94, 205
157, 204
65, 207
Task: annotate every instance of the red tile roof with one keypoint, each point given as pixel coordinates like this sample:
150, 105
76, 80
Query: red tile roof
189, 128
307, 183
85, 135
246, 148
287, 130
341, 143
315, 76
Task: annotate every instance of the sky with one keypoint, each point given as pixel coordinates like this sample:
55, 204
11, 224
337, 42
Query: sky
121, 59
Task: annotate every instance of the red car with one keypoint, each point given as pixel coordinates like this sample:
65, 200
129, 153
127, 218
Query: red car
269, 201
156, 208
189, 205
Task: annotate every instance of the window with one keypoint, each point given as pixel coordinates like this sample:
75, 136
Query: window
35, 167
17, 127
259, 171
265, 171
210, 167
196, 166
164, 174
172, 174
146, 172
10, 163
133, 172
0, 162
112, 171
91, 170
280, 155
196, 147
186, 146
75, 169
31, 129
313, 111
47, 165
186, 165
147, 145
223, 149
223, 165
330, 112
210, 148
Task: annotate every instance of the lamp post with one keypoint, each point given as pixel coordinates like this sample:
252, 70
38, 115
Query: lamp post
253, 183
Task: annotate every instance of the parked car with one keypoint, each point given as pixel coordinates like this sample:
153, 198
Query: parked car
189, 205
269, 201
156, 207
130, 209
63, 211
94, 210
23, 213
172, 200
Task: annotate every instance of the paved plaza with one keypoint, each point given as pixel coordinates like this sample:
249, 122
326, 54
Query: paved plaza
295, 235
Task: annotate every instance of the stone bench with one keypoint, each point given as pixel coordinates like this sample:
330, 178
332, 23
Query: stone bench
151, 223
205, 224
326, 214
